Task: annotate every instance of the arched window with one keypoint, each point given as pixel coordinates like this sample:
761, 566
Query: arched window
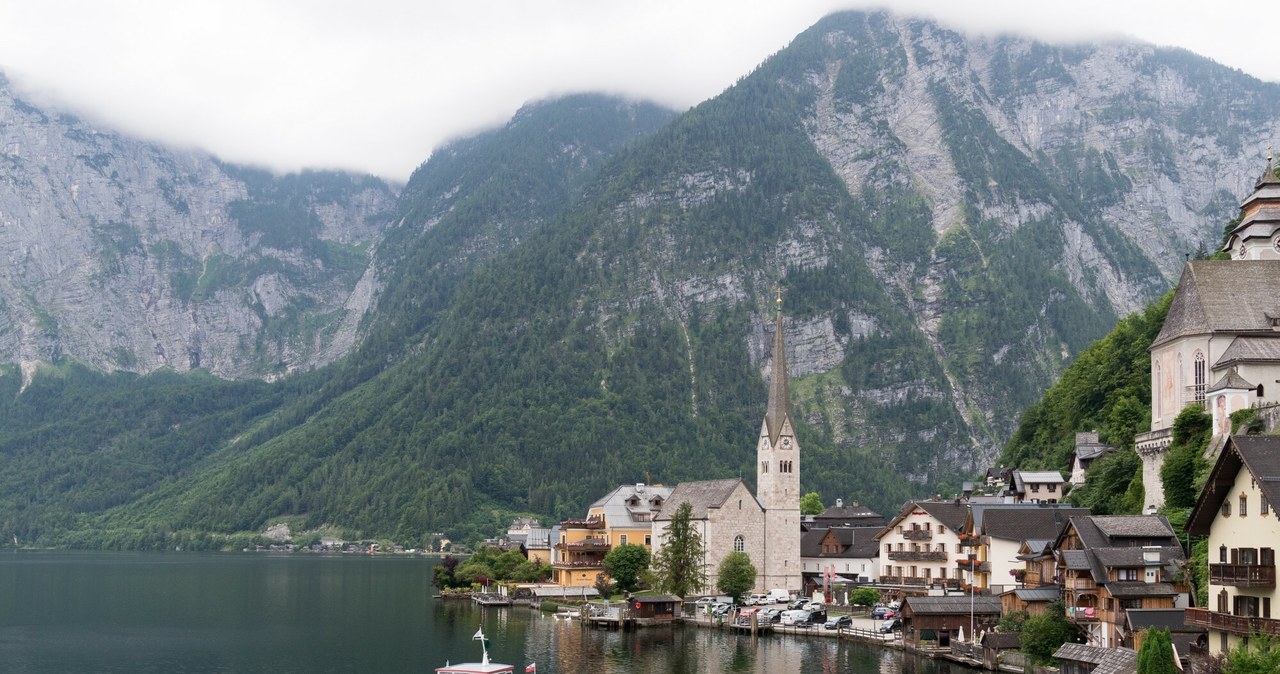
1222, 554
739, 543
1155, 389
1199, 374
764, 466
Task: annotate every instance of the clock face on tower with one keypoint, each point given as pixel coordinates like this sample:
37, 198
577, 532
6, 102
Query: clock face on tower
786, 443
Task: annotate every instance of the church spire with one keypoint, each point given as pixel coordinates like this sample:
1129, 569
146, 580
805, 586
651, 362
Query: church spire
779, 408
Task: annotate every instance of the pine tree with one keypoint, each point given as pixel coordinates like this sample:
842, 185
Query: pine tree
677, 567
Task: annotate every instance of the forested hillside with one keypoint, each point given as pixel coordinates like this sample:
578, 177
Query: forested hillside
583, 298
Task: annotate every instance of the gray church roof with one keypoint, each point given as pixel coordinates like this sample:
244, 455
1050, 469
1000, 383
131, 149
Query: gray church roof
1230, 380
702, 495
1251, 349
1217, 296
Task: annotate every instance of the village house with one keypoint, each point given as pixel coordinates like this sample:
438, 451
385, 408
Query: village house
1027, 486
1039, 587
1219, 346
919, 545
941, 619
838, 555
1113, 563
997, 531
1087, 450
623, 516
1235, 510
843, 516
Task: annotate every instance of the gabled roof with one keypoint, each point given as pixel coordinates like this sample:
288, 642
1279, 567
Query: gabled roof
951, 514
1133, 526
702, 495
1020, 524
981, 604
1042, 593
1135, 588
1260, 455
619, 512
855, 542
1223, 296
1250, 349
1108, 660
1231, 380
849, 516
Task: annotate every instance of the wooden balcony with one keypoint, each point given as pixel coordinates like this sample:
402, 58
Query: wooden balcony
1242, 575
1239, 625
585, 545
918, 556
1080, 584
904, 580
918, 534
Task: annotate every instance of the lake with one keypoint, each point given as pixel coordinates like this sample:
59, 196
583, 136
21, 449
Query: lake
64, 612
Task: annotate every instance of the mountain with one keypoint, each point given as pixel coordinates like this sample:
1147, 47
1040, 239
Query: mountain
582, 298
130, 257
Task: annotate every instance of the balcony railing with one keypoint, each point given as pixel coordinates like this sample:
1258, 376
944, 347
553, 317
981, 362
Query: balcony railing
1079, 584
1235, 624
918, 555
971, 542
1084, 613
904, 580
1242, 575
918, 534
585, 545
579, 564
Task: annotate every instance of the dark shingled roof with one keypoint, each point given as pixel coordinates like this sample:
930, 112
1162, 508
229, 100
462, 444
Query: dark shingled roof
1137, 588
982, 605
1020, 524
1252, 349
1223, 296
855, 542
702, 495
655, 598
1001, 640
1108, 660
1042, 593
1133, 526
1259, 454
951, 514
1172, 619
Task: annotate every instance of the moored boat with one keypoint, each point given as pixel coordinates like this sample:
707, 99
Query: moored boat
482, 667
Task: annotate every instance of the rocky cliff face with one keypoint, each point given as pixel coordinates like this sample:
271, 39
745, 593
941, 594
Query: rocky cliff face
130, 256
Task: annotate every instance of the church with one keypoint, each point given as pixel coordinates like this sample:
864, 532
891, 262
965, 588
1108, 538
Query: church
1219, 347
765, 525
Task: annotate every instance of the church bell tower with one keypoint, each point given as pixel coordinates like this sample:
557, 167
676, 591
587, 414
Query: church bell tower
778, 475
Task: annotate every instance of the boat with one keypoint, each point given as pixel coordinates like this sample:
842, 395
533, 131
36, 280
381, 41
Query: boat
482, 667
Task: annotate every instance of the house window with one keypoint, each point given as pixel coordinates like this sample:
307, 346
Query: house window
739, 543
1199, 376
939, 528
1264, 508
1226, 507
648, 540
888, 547
1127, 574
1244, 505
1053, 487
1222, 601
942, 573
622, 540
1222, 554
942, 547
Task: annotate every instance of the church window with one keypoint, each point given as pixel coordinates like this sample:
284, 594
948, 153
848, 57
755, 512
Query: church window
764, 466
1199, 376
1155, 388
739, 543
739, 504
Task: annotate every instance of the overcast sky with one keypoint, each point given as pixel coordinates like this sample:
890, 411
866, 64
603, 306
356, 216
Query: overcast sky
375, 85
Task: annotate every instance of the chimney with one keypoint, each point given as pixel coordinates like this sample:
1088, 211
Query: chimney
639, 487
839, 503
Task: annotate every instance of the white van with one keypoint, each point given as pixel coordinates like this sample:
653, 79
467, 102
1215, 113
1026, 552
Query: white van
779, 596
757, 600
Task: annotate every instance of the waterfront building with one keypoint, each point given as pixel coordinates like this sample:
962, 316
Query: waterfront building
919, 544
623, 516
1113, 563
996, 532
1236, 511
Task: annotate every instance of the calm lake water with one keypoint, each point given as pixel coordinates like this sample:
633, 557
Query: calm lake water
203, 613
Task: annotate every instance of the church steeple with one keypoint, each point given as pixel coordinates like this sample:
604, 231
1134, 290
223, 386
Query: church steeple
779, 408
1257, 237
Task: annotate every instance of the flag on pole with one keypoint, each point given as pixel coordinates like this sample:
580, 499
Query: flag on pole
479, 635
531, 669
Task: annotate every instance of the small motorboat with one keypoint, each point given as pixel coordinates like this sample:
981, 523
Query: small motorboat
482, 667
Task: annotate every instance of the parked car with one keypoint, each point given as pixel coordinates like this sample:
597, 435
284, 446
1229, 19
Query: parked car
705, 601
779, 596
797, 604
814, 606
721, 609
771, 615
891, 625
836, 622
882, 613
817, 616
744, 617
757, 600
794, 617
